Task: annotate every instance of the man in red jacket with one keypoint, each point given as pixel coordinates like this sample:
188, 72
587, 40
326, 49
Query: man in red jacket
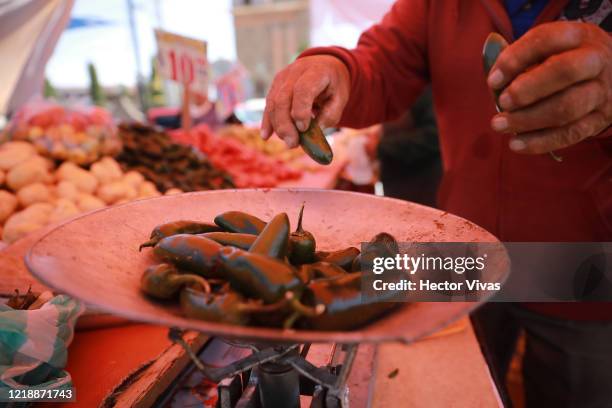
556, 78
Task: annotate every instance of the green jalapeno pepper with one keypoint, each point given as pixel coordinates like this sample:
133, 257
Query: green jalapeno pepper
235, 239
228, 307
320, 255
343, 258
178, 227
273, 240
258, 276
213, 308
346, 306
302, 244
494, 45
305, 273
387, 243
237, 221
163, 281
315, 145
322, 270
194, 253
381, 245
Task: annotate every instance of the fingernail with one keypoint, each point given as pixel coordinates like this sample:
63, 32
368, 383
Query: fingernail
496, 79
517, 145
505, 101
264, 133
499, 123
301, 126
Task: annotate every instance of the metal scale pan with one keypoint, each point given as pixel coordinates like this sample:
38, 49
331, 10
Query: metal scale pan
95, 257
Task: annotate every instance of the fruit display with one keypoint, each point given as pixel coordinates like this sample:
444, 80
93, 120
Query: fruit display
242, 270
312, 141
247, 166
34, 192
251, 137
79, 135
168, 164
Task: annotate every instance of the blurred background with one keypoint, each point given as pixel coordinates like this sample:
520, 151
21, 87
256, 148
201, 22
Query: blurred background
154, 97
117, 38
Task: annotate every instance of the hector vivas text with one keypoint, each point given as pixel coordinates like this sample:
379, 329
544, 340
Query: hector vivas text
432, 266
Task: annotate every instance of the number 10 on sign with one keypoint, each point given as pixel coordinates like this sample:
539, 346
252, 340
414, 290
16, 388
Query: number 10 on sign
182, 59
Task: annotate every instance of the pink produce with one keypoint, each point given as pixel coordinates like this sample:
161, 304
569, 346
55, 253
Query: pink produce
248, 167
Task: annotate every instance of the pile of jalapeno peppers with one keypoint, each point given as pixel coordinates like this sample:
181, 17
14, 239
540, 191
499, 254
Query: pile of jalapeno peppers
243, 270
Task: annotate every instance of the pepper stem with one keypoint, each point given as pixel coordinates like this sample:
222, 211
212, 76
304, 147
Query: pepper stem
149, 243
290, 321
300, 309
299, 226
190, 278
260, 308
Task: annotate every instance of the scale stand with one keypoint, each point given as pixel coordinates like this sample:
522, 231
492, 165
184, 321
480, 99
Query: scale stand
274, 376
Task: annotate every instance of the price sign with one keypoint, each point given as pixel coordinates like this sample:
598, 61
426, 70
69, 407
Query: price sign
182, 59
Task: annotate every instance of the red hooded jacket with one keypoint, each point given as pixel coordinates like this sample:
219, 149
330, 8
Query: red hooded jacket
516, 197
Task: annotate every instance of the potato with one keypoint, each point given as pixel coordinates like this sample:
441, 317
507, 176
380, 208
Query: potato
133, 178
67, 190
106, 170
88, 202
173, 191
66, 170
23, 222
15, 230
34, 193
32, 170
8, 204
117, 190
82, 179
38, 212
13, 153
112, 165
64, 209
147, 190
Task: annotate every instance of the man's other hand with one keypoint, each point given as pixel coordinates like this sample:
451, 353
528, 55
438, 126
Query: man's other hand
557, 82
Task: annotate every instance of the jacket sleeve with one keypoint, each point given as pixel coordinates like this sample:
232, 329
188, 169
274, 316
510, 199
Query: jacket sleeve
388, 68
607, 133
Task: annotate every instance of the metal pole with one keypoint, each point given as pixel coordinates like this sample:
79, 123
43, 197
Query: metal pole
136, 47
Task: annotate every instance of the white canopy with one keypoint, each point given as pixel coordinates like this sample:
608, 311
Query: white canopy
340, 22
29, 30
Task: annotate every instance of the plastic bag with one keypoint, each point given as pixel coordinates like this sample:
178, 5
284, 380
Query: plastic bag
34, 344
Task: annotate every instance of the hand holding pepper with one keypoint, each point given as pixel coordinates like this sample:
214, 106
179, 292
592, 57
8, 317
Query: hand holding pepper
319, 83
558, 86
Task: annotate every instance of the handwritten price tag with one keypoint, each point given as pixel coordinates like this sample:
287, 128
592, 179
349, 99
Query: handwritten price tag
182, 59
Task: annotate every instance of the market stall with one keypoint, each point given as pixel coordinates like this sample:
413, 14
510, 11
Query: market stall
408, 324
185, 222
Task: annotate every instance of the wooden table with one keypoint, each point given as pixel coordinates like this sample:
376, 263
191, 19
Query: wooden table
441, 371
446, 370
